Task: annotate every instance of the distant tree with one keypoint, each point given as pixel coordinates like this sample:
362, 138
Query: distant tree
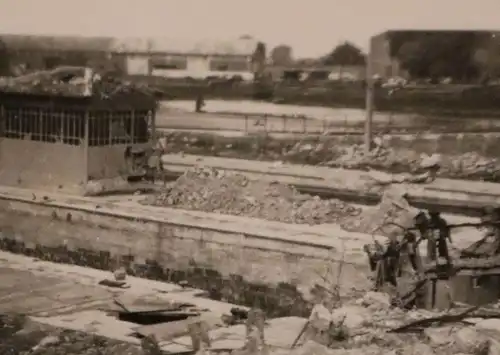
282, 55
345, 54
4, 60
259, 59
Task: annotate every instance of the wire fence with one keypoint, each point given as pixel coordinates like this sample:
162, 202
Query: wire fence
299, 124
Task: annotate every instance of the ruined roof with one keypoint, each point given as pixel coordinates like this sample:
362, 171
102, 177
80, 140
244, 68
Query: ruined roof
241, 46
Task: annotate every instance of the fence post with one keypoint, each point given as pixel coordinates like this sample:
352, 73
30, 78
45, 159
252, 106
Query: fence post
285, 119
246, 123
304, 124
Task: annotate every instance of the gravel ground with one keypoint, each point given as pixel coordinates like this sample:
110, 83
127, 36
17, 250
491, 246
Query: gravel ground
209, 190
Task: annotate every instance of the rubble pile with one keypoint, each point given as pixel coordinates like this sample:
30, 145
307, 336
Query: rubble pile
369, 325
388, 218
468, 165
373, 326
211, 190
352, 156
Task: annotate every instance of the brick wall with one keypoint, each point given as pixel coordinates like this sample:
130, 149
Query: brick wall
27, 163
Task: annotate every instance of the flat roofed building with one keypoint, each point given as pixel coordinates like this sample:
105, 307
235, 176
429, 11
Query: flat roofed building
160, 56
385, 64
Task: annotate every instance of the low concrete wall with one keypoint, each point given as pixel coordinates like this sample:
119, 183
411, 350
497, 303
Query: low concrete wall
107, 162
236, 259
32, 164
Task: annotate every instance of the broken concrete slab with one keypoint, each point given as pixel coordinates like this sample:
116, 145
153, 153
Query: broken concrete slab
150, 303
279, 333
167, 331
93, 321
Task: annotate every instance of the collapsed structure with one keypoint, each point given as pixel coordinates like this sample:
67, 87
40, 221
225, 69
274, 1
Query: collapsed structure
437, 281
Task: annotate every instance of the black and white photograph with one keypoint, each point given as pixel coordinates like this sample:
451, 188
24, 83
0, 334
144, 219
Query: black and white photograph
217, 177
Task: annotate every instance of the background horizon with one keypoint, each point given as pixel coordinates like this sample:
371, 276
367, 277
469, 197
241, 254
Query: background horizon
311, 28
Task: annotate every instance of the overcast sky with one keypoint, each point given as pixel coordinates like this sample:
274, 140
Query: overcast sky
311, 27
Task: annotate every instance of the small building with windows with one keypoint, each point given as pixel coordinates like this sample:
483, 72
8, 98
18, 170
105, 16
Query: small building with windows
64, 143
171, 58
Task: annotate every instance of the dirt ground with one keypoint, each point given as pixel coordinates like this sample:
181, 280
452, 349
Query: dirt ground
333, 115
253, 107
251, 124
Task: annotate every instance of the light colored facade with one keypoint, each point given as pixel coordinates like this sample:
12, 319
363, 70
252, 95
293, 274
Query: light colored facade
137, 56
181, 59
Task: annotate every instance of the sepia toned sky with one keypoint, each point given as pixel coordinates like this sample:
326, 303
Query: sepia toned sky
311, 27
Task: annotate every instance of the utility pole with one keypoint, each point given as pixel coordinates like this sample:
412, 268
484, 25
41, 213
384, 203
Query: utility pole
370, 87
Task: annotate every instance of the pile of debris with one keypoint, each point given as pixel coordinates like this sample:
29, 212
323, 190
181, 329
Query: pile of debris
463, 166
388, 218
352, 156
211, 190
371, 325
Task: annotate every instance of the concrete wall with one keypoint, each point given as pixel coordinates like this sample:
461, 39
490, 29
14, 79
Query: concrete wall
208, 254
382, 63
485, 290
27, 163
107, 162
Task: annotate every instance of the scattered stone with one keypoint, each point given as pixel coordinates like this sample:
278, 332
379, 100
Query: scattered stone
439, 336
351, 316
469, 340
211, 190
376, 300
469, 165
418, 349
120, 274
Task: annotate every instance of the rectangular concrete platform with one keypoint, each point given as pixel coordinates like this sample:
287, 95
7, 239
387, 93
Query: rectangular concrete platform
239, 259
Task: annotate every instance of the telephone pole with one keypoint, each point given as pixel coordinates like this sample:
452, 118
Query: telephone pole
370, 87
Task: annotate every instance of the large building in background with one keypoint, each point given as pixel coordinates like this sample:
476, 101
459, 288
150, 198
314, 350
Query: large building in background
135, 56
487, 52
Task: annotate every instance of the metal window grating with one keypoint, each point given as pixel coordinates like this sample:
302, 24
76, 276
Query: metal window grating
119, 127
68, 126
44, 124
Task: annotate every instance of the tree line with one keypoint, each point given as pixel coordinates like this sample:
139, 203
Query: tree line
459, 55
344, 54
